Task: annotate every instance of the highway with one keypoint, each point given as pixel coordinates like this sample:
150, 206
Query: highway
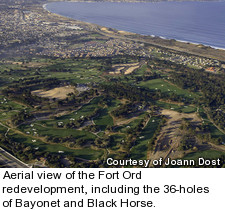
9, 161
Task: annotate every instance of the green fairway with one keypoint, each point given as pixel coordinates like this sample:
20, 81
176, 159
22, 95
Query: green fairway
215, 132
131, 125
166, 87
140, 71
175, 107
139, 151
78, 71
39, 130
9, 104
85, 153
117, 140
8, 108
82, 112
208, 154
103, 119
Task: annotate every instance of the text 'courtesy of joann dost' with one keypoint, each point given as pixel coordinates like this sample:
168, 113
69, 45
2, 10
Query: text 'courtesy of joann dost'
125, 188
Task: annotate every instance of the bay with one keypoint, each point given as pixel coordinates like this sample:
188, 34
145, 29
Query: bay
196, 22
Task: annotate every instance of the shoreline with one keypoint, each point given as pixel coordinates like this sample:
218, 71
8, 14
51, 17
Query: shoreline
147, 35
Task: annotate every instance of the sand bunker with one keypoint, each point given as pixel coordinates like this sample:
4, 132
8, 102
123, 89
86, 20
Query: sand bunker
124, 68
58, 93
131, 69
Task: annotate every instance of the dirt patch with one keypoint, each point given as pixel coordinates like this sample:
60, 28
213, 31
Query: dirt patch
127, 68
36, 64
125, 65
126, 33
106, 30
58, 93
172, 102
131, 69
119, 122
168, 141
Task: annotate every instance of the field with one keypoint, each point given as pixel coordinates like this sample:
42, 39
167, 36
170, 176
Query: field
166, 87
85, 153
80, 71
57, 93
176, 107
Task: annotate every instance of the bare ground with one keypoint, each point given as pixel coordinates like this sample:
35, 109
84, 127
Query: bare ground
168, 141
58, 93
126, 68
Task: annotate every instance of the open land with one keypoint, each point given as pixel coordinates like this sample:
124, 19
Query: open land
73, 94
57, 93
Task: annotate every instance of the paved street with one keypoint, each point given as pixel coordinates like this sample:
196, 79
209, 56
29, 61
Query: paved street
10, 161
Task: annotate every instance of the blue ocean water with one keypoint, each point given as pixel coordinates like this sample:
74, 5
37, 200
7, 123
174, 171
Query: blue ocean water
197, 22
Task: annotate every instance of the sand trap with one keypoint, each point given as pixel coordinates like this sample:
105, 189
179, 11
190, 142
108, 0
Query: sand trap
125, 65
131, 69
126, 68
58, 93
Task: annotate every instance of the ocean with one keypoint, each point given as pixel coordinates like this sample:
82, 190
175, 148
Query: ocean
195, 22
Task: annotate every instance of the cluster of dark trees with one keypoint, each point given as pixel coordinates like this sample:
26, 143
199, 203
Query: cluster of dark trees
202, 132
134, 132
147, 76
100, 142
18, 149
77, 163
138, 94
21, 90
27, 153
212, 87
124, 59
35, 82
152, 141
59, 70
187, 142
125, 109
132, 93
218, 117
72, 141
92, 128
2, 165
21, 117
208, 138
14, 72
79, 122
25, 97
74, 100
104, 141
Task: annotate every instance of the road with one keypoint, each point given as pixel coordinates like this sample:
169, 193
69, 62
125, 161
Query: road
9, 161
